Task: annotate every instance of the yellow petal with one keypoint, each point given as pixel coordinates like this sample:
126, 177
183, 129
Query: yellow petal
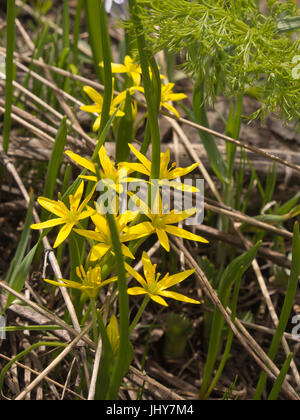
178, 172
163, 239
178, 296
99, 250
140, 157
118, 68
63, 234
56, 207
127, 253
97, 123
92, 109
182, 233
138, 231
94, 95
76, 198
171, 109
136, 275
136, 291
136, 167
106, 163
158, 299
169, 281
149, 269
176, 217
81, 161
48, 224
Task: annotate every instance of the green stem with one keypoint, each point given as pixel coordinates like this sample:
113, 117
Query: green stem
139, 314
148, 86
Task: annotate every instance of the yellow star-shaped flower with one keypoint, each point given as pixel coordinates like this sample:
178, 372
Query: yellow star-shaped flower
129, 67
96, 108
167, 95
160, 223
102, 234
67, 217
112, 177
91, 282
167, 172
157, 289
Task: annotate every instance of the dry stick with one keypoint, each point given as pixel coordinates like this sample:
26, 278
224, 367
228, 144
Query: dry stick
36, 122
54, 363
233, 214
250, 345
95, 373
50, 109
273, 256
51, 381
59, 96
30, 127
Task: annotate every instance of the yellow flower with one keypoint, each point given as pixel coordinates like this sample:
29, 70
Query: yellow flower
167, 172
96, 108
114, 178
168, 95
91, 282
161, 224
155, 288
129, 67
102, 234
67, 217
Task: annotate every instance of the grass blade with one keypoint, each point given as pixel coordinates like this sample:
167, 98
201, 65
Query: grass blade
286, 309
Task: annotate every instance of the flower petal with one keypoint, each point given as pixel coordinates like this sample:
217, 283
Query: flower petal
140, 157
178, 296
136, 291
136, 275
163, 239
138, 231
81, 161
48, 224
63, 234
169, 281
56, 207
158, 299
99, 250
94, 95
178, 172
176, 217
182, 233
106, 163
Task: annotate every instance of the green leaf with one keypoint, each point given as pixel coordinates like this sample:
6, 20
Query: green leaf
23, 242
20, 274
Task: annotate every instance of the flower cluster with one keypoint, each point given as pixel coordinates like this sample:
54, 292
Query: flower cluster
133, 74
141, 223
80, 215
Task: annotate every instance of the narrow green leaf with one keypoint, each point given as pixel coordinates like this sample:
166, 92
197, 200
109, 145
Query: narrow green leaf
23, 242
286, 309
281, 377
19, 276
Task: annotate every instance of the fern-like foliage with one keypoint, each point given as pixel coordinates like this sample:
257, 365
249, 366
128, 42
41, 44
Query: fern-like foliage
233, 45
